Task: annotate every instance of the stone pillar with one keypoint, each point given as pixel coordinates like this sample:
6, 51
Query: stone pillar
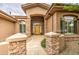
17, 44
53, 43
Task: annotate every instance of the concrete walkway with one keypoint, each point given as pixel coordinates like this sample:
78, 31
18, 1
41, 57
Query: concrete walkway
34, 46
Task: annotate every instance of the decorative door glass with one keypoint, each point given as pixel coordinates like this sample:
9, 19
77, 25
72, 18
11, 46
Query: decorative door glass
37, 28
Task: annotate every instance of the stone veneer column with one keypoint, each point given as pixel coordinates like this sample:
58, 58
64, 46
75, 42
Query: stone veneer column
53, 43
17, 44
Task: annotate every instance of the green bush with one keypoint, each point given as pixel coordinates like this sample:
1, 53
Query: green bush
43, 43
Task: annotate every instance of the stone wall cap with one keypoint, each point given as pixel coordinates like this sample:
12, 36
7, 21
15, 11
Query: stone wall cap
16, 37
3, 43
62, 35
52, 34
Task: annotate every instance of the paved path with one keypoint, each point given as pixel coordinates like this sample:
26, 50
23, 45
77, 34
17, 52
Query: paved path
34, 47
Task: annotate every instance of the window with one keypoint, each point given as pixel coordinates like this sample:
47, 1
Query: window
68, 24
22, 26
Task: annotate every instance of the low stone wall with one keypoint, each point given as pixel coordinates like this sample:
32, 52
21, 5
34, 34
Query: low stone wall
17, 44
54, 45
4, 48
17, 48
71, 37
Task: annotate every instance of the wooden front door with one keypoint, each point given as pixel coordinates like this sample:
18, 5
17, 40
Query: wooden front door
37, 28
37, 25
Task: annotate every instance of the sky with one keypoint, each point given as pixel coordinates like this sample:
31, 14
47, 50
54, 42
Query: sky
12, 8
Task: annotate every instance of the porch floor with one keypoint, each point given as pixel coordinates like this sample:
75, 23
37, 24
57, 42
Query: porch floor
33, 45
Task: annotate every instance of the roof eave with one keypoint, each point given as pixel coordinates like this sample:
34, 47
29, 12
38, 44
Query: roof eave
30, 5
55, 8
6, 16
21, 17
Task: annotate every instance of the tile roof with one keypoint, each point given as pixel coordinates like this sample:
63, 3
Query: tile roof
12, 8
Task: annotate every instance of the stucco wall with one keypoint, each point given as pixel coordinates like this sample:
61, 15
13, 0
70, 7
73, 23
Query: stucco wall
60, 15
17, 27
56, 17
6, 28
45, 26
49, 24
35, 11
54, 22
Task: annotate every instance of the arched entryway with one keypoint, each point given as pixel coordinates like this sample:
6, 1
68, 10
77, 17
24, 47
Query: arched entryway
37, 25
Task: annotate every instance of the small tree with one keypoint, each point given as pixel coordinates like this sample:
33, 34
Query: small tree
72, 7
43, 43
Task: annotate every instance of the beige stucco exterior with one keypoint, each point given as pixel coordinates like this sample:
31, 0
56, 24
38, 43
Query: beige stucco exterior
18, 18
48, 23
55, 15
7, 25
33, 11
52, 16
36, 11
61, 14
7, 28
51, 23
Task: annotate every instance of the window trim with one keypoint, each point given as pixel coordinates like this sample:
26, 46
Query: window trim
75, 18
22, 27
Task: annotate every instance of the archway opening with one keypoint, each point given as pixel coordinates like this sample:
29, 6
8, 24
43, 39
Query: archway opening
37, 25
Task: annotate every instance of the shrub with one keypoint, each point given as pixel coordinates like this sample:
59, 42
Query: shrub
43, 43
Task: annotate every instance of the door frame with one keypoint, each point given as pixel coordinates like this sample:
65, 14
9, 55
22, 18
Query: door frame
35, 28
39, 21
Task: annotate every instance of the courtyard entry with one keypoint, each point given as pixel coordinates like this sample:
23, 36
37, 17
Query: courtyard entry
37, 25
33, 45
